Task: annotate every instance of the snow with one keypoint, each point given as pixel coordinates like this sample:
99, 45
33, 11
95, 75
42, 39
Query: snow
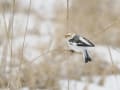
46, 28
110, 84
45, 7
25, 88
77, 85
31, 41
113, 82
103, 53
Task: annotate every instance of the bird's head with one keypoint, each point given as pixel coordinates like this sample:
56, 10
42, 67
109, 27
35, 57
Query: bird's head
69, 35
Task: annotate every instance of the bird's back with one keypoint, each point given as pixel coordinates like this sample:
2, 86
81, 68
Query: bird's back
81, 41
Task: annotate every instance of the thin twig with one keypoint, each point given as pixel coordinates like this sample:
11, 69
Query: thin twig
7, 38
26, 28
107, 28
45, 53
5, 25
10, 34
67, 26
10, 28
111, 58
67, 16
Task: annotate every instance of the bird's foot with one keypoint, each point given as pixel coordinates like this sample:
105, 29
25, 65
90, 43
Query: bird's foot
88, 60
72, 51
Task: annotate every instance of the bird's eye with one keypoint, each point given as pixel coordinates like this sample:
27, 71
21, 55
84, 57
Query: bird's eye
71, 40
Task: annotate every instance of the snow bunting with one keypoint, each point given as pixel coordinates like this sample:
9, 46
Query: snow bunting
76, 43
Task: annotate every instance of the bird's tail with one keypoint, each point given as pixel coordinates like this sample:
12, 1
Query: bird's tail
87, 57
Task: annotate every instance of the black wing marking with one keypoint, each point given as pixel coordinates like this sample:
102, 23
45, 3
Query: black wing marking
76, 39
82, 44
91, 44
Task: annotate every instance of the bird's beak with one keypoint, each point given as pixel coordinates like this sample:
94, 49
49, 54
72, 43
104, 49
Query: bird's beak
67, 35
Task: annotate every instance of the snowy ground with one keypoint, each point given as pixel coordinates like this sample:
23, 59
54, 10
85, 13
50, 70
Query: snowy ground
47, 7
110, 84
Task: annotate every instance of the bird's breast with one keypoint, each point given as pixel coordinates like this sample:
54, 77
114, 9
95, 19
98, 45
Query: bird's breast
76, 48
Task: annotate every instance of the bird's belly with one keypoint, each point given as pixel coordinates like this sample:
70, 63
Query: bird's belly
76, 48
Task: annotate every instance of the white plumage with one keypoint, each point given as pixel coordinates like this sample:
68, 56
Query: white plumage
79, 44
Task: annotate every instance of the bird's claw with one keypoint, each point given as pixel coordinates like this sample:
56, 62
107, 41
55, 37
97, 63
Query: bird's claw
72, 51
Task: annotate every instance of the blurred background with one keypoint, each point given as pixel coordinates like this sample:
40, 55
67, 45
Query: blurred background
33, 50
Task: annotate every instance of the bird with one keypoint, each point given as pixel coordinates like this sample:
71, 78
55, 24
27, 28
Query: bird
77, 43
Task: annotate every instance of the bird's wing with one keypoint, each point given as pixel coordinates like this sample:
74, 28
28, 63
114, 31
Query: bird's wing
80, 41
87, 42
